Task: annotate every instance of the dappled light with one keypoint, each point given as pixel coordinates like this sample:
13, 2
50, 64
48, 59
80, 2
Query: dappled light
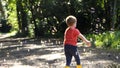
32, 32
40, 53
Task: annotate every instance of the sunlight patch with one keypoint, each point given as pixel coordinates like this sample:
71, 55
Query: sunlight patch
52, 56
53, 49
33, 46
22, 66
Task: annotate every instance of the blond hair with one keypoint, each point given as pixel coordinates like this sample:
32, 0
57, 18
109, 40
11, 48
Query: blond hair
71, 20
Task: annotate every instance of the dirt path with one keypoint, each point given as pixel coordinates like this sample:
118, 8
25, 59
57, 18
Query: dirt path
49, 53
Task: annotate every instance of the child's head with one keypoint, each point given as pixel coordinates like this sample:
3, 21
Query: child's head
71, 21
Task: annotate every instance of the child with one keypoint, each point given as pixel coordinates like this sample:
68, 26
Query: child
70, 40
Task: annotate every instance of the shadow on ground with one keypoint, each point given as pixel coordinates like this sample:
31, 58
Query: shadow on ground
49, 53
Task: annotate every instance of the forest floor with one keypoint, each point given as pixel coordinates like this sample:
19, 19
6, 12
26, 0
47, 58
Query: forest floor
49, 53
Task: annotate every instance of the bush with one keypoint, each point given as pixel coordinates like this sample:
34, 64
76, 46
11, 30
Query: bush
108, 39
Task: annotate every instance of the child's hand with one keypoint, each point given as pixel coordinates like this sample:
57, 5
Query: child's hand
88, 43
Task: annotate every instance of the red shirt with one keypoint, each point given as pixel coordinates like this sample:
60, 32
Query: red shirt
70, 36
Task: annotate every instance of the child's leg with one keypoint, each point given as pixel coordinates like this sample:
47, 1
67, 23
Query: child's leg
68, 55
68, 59
77, 56
77, 59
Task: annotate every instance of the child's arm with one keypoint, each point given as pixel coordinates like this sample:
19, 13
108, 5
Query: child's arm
84, 39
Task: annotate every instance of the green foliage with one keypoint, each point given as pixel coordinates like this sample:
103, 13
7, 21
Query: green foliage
12, 14
106, 40
47, 17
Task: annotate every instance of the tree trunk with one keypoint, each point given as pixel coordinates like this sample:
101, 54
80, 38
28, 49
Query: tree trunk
33, 17
2, 11
114, 18
107, 15
22, 19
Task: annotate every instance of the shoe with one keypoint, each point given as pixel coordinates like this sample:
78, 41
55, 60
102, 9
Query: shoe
78, 66
67, 66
